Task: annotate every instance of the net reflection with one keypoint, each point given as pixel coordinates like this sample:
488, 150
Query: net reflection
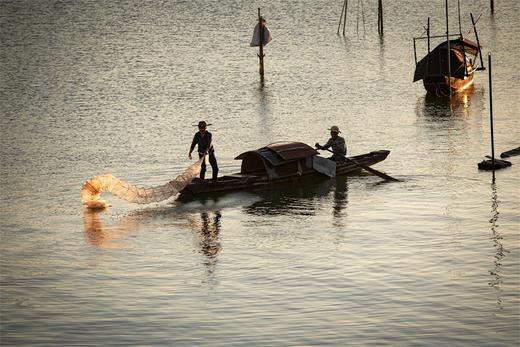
303, 199
109, 237
205, 224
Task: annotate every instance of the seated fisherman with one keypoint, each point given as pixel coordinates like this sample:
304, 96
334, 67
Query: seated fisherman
336, 143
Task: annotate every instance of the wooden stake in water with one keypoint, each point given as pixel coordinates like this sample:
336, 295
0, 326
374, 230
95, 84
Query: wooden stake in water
491, 117
482, 67
428, 34
380, 17
343, 16
261, 46
449, 49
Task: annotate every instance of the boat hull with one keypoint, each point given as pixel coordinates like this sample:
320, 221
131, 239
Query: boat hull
240, 181
445, 86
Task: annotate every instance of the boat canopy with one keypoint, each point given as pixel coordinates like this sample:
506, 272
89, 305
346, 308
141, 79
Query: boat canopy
435, 63
278, 159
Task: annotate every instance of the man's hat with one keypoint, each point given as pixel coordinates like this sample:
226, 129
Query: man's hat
334, 129
202, 124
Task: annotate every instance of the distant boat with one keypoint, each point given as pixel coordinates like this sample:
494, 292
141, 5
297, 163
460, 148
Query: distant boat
441, 78
450, 66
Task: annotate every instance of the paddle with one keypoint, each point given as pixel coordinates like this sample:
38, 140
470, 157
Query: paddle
368, 168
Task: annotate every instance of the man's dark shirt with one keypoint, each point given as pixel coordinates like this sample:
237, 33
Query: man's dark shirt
203, 142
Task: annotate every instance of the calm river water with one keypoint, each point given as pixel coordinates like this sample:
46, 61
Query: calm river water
94, 87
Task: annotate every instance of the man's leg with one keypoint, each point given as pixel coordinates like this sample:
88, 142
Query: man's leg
214, 166
202, 168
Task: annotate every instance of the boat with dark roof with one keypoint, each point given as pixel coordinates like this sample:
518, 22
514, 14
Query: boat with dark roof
439, 77
281, 163
451, 65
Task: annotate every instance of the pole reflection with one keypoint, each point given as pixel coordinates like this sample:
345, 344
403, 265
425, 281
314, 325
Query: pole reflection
500, 252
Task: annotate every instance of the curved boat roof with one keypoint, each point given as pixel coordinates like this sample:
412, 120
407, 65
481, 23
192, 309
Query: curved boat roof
435, 62
276, 159
283, 151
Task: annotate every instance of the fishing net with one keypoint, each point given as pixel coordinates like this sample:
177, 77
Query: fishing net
92, 188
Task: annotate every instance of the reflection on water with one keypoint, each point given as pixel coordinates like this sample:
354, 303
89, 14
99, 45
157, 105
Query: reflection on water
115, 236
340, 201
432, 106
207, 227
500, 252
108, 237
264, 96
302, 199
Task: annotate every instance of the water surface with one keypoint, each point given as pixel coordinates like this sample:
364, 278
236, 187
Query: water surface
93, 87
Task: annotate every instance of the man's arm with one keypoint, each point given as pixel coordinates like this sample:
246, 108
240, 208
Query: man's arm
325, 146
193, 142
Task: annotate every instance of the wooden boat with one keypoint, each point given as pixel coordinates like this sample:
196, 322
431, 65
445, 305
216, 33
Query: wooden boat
439, 77
279, 163
448, 68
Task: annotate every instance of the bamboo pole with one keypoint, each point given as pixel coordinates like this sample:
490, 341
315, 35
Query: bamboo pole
458, 12
449, 50
491, 117
428, 34
415, 50
345, 17
341, 16
261, 46
460, 33
380, 16
482, 67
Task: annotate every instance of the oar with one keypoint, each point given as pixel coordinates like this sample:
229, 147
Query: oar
368, 168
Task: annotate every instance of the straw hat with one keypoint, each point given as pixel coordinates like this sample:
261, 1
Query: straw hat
334, 129
202, 124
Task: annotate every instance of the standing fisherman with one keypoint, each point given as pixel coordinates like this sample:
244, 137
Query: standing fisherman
203, 139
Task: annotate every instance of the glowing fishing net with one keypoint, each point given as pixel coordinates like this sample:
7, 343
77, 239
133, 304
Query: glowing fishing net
92, 188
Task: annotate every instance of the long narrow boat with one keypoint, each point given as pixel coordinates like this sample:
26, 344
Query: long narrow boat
279, 163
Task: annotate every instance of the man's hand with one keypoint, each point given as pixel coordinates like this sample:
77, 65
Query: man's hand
189, 156
317, 145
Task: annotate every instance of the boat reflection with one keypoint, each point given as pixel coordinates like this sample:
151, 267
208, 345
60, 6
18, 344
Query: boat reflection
439, 107
302, 199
